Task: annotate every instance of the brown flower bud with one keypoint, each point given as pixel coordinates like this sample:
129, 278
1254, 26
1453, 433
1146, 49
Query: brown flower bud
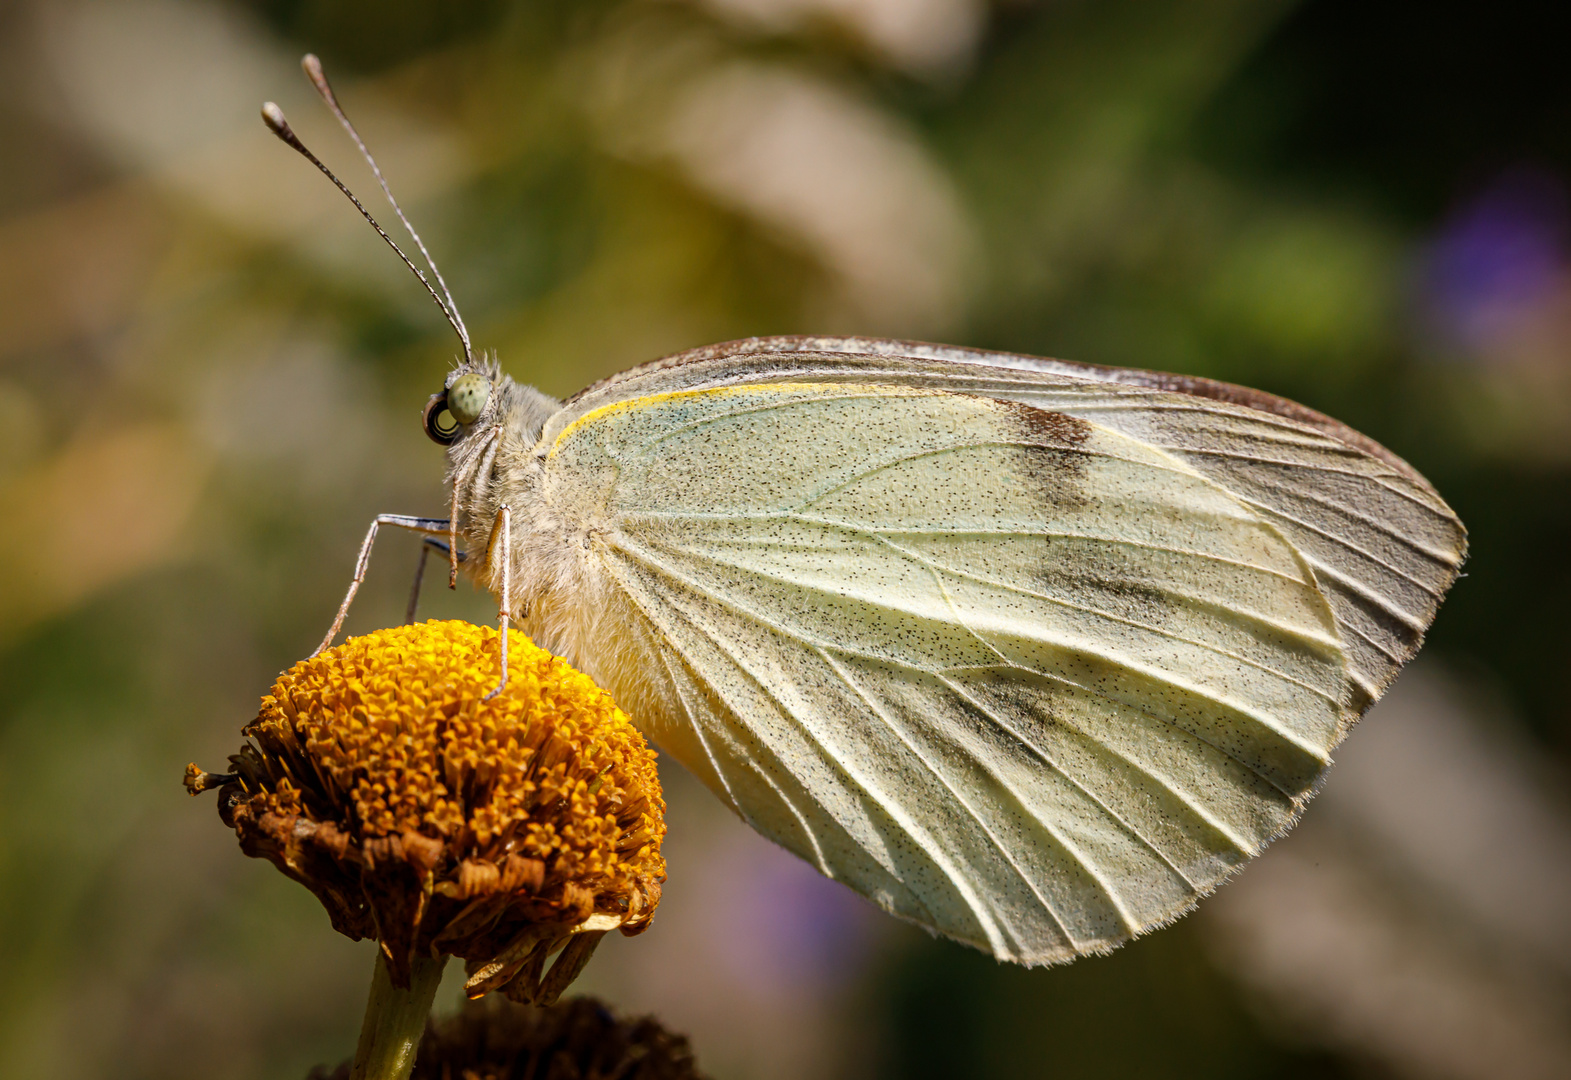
576, 1040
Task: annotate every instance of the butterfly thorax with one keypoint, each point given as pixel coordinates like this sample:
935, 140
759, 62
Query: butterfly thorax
498, 461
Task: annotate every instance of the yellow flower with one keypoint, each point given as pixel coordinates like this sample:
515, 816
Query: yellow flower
438, 822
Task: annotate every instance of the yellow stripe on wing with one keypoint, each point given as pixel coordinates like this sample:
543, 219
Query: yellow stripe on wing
783, 389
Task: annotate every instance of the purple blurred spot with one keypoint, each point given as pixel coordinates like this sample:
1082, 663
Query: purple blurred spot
787, 929
1498, 259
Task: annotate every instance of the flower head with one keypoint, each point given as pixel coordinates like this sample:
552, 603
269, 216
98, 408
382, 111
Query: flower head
423, 815
578, 1038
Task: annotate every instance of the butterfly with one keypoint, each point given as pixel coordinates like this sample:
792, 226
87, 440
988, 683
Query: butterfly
1032, 653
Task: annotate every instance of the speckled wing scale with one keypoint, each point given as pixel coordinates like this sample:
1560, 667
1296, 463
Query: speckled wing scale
1032, 653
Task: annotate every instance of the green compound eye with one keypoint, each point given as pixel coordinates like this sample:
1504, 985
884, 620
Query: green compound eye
466, 398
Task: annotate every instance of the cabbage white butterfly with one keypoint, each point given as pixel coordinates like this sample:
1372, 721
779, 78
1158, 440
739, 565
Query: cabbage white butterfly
1032, 653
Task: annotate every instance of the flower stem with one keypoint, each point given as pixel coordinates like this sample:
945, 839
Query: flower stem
395, 1020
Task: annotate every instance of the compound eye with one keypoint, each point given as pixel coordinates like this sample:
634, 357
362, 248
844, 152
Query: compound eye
439, 423
467, 396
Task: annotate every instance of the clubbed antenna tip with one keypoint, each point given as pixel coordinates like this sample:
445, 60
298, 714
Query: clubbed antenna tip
276, 122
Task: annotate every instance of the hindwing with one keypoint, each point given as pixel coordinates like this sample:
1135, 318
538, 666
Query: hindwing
1024, 659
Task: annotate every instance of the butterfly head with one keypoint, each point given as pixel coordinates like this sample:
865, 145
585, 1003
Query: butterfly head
458, 406
476, 396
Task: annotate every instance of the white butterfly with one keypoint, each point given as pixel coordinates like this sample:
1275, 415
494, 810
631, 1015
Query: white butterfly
1032, 653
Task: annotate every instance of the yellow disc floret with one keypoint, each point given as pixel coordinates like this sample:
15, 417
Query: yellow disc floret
439, 822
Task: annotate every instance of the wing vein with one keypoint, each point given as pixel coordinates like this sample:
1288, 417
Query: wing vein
903, 459
1047, 759
1354, 585
813, 519
1218, 650
1368, 593
1092, 692
1356, 474
1444, 558
976, 818
635, 552
819, 859
918, 835
1241, 845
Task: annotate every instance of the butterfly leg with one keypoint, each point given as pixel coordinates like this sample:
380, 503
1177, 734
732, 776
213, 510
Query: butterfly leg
502, 530
430, 526
426, 547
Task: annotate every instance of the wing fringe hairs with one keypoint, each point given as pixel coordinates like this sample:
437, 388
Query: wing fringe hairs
1034, 654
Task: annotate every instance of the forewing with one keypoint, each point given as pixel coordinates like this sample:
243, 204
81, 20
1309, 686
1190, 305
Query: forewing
1014, 674
1383, 545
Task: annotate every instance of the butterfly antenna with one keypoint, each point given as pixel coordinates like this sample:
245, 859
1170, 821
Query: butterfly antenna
313, 71
273, 117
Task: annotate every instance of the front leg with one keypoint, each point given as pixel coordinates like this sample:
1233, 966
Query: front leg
428, 526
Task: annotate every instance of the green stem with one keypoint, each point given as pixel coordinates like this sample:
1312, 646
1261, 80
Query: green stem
395, 1020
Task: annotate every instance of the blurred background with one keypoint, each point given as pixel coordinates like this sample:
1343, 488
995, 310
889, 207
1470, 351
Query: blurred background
211, 375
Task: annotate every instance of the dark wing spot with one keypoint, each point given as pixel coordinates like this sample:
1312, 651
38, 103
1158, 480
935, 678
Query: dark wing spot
1047, 428
1050, 458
